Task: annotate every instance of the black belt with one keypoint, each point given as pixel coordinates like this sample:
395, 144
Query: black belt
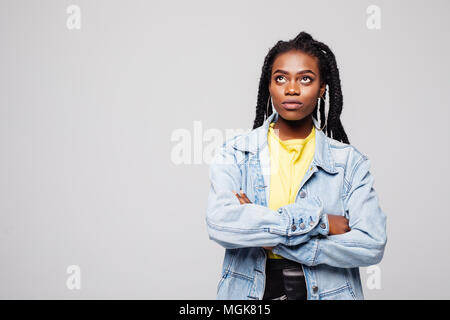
284, 280
277, 264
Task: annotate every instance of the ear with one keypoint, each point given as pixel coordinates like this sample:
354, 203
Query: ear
323, 86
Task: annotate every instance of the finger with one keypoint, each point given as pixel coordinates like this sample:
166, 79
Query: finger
241, 201
244, 196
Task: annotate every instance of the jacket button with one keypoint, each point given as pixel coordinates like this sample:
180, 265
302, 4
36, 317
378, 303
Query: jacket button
323, 225
302, 194
293, 228
302, 226
315, 289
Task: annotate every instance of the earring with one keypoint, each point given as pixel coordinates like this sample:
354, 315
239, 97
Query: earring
267, 109
318, 104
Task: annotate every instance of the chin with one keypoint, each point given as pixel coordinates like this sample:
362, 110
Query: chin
292, 116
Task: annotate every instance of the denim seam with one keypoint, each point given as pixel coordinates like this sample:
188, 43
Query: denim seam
245, 231
316, 252
357, 244
334, 291
352, 174
222, 279
345, 187
350, 287
253, 287
228, 267
240, 276
227, 271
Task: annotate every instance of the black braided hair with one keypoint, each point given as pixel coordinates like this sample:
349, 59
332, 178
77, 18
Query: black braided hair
329, 74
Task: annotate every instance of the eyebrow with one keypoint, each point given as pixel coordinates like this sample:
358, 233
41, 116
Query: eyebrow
300, 72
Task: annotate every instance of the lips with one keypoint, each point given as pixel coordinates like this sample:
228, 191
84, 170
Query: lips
292, 105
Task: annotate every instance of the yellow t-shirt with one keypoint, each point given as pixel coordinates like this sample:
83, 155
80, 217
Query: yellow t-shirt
289, 161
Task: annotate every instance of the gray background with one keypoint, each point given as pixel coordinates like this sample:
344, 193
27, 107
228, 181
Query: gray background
86, 118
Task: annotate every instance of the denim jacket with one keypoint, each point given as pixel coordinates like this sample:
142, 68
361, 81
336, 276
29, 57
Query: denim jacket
337, 182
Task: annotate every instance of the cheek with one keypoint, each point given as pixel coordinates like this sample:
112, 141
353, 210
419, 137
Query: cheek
277, 93
310, 94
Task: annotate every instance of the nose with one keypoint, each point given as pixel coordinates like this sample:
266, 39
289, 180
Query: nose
292, 88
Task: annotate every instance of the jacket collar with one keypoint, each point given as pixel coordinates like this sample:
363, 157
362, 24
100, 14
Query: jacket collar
256, 139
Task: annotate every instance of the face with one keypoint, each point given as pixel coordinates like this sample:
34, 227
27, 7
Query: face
295, 85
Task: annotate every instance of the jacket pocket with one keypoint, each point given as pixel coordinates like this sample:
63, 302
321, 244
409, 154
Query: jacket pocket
343, 293
234, 286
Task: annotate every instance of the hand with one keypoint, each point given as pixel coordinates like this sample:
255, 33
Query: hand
338, 224
243, 199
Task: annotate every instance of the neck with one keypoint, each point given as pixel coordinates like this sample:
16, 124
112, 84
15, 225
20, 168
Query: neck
294, 129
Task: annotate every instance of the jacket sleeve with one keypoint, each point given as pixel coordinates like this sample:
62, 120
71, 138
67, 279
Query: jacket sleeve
363, 245
235, 225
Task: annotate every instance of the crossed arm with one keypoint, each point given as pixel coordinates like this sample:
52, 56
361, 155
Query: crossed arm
327, 239
337, 224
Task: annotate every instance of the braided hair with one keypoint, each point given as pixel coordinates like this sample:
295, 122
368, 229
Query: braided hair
329, 74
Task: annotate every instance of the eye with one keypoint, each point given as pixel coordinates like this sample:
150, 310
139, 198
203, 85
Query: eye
277, 77
307, 77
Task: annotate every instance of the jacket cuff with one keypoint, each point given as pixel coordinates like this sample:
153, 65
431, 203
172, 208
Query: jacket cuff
305, 218
323, 226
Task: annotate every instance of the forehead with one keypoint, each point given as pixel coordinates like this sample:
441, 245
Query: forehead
294, 61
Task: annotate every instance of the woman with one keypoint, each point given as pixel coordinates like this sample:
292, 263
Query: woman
292, 201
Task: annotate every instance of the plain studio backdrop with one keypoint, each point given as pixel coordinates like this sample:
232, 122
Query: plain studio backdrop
92, 120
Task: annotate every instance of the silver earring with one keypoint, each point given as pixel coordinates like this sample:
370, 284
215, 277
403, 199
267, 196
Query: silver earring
267, 109
318, 104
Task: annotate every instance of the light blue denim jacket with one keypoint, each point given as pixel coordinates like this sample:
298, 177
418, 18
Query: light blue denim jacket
338, 182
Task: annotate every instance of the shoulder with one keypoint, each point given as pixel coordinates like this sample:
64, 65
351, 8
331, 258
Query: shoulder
242, 141
340, 149
347, 156
227, 152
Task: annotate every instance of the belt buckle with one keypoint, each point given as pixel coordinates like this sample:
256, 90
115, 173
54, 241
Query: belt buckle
283, 297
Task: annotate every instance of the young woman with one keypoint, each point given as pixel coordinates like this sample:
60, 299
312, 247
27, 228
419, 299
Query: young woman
292, 201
